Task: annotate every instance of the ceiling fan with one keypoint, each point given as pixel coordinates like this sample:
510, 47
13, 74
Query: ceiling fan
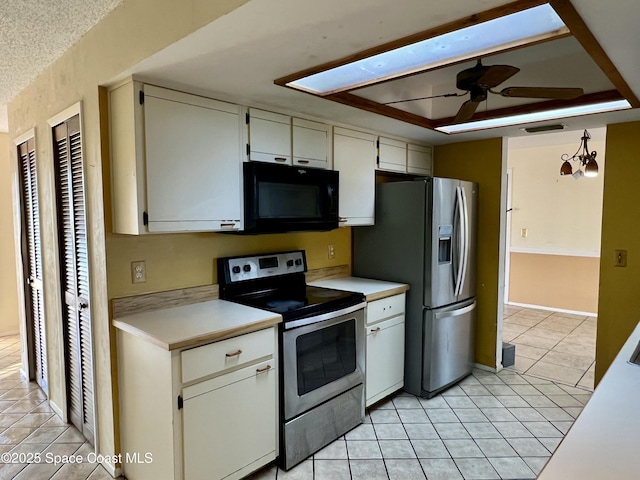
480, 79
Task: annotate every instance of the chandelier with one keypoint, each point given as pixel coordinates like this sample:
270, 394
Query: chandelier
584, 158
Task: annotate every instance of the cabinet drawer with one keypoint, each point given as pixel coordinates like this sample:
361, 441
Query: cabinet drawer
385, 308
217, 357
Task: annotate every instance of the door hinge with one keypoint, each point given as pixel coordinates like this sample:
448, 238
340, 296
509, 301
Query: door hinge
378, 160
145, 218
180, 402
377, 143
248, 149
141, 97
246, 118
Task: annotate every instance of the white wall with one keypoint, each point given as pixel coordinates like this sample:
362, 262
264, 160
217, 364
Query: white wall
562, 215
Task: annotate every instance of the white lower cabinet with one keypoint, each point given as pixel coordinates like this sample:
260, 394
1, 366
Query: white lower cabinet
220, 425
385, 347
240, 408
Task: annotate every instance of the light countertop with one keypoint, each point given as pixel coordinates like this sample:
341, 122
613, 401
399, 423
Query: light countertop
198, 323
603, 441
372, 289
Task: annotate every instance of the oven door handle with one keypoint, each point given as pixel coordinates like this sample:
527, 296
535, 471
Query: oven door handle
325, 316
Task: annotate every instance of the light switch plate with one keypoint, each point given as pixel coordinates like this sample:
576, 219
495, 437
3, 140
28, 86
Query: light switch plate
621, 258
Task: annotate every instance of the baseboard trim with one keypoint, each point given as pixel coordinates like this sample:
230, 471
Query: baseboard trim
10, 333
486, 368
56, 409
552, 309
114, 471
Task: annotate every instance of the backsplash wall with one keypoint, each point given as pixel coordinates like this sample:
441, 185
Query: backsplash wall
189, 259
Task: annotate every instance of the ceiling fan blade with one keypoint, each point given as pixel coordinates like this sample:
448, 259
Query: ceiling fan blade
542, 92
466, 111
494, 75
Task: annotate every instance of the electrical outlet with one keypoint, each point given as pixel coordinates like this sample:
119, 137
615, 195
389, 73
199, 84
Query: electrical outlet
621, 258
523, 232
138, 272
331, 251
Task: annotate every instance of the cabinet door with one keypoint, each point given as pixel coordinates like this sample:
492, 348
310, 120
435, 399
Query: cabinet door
229, 423
418, 159
269, 137
354, 156
311, 144
193, 163
392, 155
385, 359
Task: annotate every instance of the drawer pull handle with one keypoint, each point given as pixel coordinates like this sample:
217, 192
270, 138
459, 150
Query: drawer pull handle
375, 330
234, 354
304, 162
262, 370
280, 159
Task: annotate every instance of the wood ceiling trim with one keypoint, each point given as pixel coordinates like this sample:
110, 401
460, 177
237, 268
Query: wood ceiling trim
587, 99
471, 20
374, 107
581, 32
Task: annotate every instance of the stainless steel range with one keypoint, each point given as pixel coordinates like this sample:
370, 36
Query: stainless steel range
321, 347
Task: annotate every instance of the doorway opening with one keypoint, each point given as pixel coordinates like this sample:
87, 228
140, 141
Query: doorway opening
553, 258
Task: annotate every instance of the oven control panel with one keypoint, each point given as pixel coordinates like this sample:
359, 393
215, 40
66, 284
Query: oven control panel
262, 266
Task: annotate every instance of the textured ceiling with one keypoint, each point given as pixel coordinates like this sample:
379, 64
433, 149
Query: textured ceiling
34, 33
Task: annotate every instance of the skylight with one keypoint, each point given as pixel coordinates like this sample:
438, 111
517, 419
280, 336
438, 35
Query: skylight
501, 33
536, 116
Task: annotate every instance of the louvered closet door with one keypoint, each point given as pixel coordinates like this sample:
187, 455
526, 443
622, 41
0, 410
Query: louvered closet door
32, 261
74, 264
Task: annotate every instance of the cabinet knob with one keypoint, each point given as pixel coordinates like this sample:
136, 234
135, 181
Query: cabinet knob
234, 354
375, 330
262, 370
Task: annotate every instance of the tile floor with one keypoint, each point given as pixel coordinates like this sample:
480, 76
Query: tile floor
489, 426
553, 345
29, 426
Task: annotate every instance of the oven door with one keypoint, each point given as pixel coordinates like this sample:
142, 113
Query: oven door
322, 360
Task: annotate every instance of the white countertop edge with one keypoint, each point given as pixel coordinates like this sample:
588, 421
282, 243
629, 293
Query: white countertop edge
603, 441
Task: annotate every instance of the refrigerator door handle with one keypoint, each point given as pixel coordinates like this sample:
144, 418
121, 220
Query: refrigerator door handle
455, 313
465, 256
461, 237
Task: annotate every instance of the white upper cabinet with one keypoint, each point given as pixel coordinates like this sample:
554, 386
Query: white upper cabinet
176, 161
354, 156
392, 155
269, 137
419, 161
312, 144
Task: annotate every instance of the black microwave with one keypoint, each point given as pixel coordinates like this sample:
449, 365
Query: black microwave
282, 198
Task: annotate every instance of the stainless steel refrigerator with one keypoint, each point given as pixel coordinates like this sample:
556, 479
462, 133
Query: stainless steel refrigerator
425, 236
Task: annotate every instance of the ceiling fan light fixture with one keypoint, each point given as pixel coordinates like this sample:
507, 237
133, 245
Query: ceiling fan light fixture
506, 32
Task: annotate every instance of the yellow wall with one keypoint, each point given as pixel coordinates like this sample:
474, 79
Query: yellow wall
619, 303
481, 162
188, 260
8, 286
129, 34
552, 281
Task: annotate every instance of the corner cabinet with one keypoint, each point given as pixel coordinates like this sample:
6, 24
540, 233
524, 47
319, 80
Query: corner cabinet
204, 413
385, 347
354, 156
176, 161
